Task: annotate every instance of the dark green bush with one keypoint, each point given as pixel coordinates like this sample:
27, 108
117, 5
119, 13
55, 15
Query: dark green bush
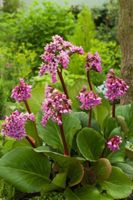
84, 29
40, 23
106, 20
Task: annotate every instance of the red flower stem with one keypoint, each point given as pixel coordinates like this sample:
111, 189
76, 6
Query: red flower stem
88, 78
27, 106
113, 109
30, 140
90, 117
63, 83
66, 152
38, 140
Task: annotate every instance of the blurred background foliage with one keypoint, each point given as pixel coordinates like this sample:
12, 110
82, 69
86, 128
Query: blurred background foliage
24, 33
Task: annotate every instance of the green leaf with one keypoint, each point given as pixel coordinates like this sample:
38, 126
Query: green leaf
105, 196
70, 195
88, 192
126, 168
59, 182
123, 124
31, 130
71, 165
102, 111
102, 169
37, 97
108, 125
116, 131
117, 156
83, 193
118, 185
90, 143
83, 117
51, 133
25, 169
127, 112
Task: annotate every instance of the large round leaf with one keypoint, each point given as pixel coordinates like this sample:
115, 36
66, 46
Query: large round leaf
51, 133
102, 169
102, 111
109, 125
83, 117
127, 168
127, 112
118, 185
25, 169
90, 143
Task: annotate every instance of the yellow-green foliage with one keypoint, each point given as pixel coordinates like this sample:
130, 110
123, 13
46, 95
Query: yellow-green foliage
84, 30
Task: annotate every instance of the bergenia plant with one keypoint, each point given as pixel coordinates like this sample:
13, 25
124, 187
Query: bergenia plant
78, 154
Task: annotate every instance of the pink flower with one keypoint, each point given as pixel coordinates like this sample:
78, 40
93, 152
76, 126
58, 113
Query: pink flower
57, 54
55, 105
14, 125
22, 91
114, 142
88, 99
93, 62
116, 87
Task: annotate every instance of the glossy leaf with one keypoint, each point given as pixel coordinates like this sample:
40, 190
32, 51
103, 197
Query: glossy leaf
127, 112
51, 133
126, 168
123, 124
118, 185
90, 143
83, 117
71, 165
88, 192
37, 97
59, 182
83, 193
108, 125
102, 169
31, 130
25, 169
70, 195
102, 111
117, 156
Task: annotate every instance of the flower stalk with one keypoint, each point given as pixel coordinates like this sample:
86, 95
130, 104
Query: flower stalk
66, 151
113, 109
38, 140
63, 83
90, 85
31, 141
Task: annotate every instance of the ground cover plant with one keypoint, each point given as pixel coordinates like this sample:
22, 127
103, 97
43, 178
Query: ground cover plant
70, 154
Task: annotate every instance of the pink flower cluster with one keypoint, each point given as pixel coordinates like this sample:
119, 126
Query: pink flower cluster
14, 125
22, 91
116, 87
57, 54
114, 142
93, 61
55, 105
88, 99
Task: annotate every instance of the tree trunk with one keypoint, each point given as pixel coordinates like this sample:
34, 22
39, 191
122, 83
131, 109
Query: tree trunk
126, 42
